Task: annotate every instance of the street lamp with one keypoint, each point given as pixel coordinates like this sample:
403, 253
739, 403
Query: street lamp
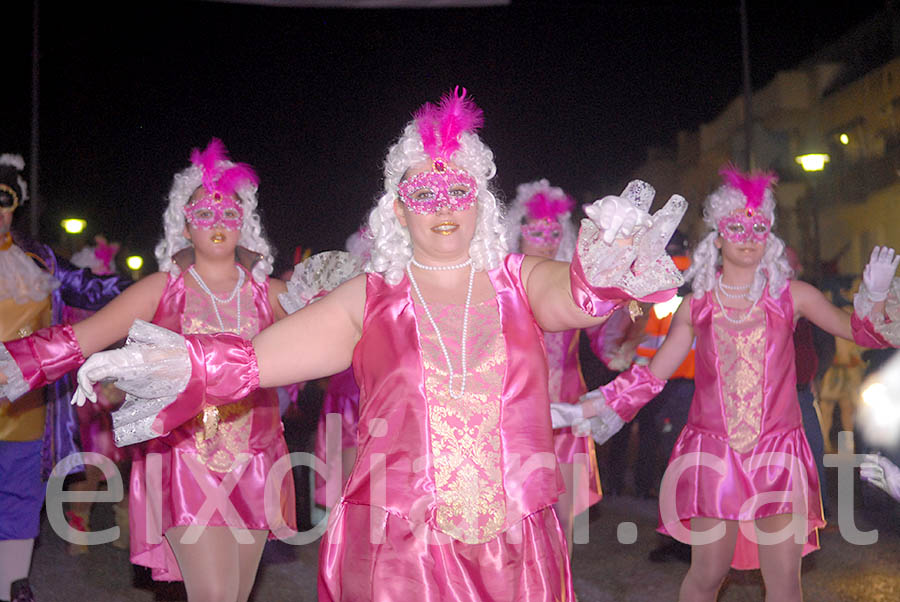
74, 225
135, 263
813, 161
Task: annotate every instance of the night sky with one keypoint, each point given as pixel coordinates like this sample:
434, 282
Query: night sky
571, 91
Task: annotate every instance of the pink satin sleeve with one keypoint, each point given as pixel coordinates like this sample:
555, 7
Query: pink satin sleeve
46, 355
599, 301
865, 335
223, 370
631, 390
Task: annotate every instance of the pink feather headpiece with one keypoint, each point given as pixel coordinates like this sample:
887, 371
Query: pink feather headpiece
542, 206
218, 178
440, 126
753, 185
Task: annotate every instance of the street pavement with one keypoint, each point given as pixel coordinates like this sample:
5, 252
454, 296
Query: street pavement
604, 570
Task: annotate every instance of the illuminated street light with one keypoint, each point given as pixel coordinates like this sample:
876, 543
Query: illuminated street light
134, 262
845, 139
74, 225
813, 161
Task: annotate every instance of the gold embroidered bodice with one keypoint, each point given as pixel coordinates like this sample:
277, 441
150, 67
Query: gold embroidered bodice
465, 432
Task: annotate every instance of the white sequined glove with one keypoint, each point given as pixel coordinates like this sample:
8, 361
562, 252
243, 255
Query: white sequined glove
606, 422
618, 216
570, 414
102, 366
881, 472
879, 272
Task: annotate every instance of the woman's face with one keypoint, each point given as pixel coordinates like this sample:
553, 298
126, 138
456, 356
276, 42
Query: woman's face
541, 237
741, 254
439, 210
213, 225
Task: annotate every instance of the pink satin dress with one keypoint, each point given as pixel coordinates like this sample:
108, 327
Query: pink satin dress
743, 454
341, 398
566, 385
450, 499
177, 473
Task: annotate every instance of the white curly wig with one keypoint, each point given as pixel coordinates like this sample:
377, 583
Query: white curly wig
706, 260
517, 212
391, 244
185, 183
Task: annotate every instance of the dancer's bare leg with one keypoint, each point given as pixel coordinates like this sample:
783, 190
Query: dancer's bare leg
709, 562
780, 562
15, 563
216, 568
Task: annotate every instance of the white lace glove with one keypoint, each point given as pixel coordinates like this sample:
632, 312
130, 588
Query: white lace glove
101, 366
570, 414
618, 217
881, 472
318, 275
606, 422
879, 272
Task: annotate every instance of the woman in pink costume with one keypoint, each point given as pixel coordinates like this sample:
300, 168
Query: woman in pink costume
540, 224
452, 493
741, 486
214, 264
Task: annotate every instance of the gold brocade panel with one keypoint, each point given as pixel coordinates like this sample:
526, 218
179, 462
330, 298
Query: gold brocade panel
465, 432
742, 349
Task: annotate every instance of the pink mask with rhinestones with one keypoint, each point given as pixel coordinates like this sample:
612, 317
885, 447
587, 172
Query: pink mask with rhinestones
745, 226
542, 232
215, 209
443, 189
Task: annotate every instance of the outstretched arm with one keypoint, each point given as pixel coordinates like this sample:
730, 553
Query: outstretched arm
810, 303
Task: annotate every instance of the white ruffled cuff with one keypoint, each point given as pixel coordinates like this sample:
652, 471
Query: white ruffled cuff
605, 422
21, 279
15, 386
316, 276
152, 384
886, 323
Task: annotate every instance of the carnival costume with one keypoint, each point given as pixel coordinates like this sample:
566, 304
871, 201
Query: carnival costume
39, 428
548, 209
451, 493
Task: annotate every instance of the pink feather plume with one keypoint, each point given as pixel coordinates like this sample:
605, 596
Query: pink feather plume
208, 159
457, 114
235, 177
541, 206
440, 126
752, 185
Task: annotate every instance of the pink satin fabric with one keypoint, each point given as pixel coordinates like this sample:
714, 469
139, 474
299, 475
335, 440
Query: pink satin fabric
779, 461
165, 491
47, 355
393, 479
632, 390
865, 335
529, 562
341, 398
599, 301
566, 385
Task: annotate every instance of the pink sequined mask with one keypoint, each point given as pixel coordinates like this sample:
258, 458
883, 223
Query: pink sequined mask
214, 209
745, 226
542, 232
442, 189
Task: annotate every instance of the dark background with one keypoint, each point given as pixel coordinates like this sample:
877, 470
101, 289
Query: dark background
571, 91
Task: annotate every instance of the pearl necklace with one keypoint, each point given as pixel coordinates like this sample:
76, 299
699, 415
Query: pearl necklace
215, 300
725, 314
438, 268
437, 331
731, 287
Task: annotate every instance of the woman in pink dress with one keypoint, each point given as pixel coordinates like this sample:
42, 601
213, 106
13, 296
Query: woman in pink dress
452, 493
214, 264
540, 224
741, 486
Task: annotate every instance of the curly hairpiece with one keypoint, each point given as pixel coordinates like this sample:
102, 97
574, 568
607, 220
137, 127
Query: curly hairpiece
392, 247
252, 235
705, 262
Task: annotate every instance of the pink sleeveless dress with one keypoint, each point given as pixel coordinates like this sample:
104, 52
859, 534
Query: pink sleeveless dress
450, 499
566, 385
743, 454
176, 474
